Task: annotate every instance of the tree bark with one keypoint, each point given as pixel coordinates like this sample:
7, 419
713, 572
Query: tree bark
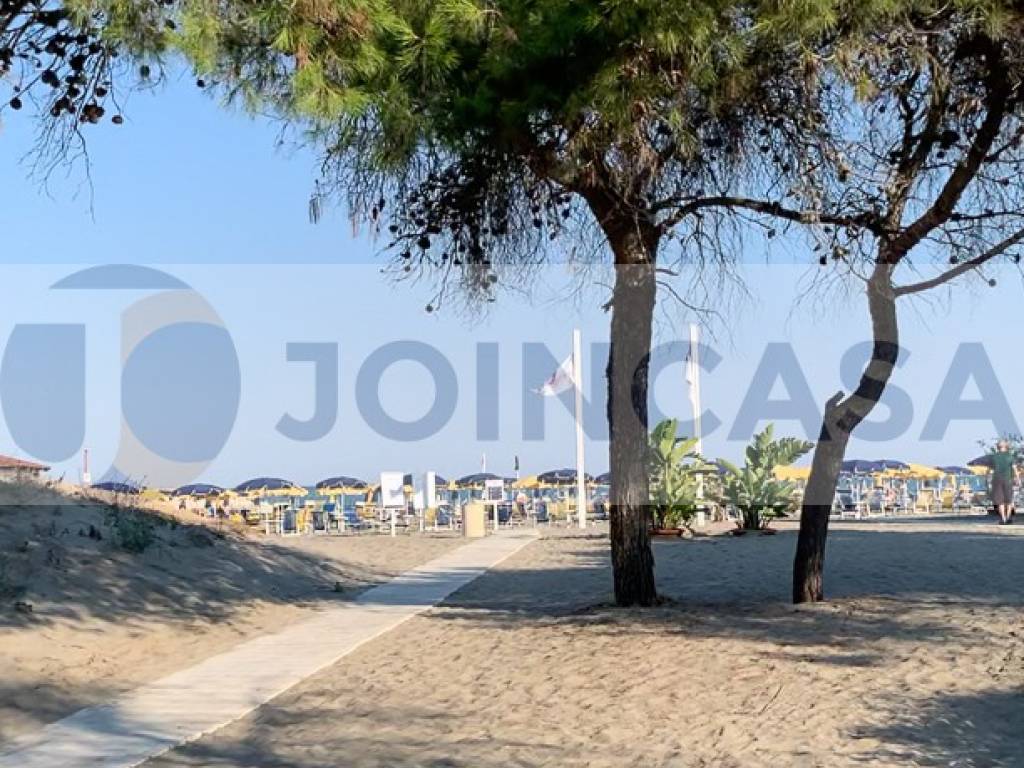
628, 364
841, 417
634, 240
809, 563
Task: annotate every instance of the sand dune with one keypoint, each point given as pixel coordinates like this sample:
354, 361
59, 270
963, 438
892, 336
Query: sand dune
103, 620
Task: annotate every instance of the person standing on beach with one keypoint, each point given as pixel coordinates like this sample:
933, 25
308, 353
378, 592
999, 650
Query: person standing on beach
1004, 469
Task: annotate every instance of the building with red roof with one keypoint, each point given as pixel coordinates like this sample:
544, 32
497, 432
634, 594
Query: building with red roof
20, 469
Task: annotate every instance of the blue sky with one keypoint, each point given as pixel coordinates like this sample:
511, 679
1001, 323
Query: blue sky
207, 196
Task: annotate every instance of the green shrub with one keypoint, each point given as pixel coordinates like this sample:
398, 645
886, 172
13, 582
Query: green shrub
673, 466
133, 531
753, 490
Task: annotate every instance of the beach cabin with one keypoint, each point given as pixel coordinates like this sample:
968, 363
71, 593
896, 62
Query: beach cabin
14, 470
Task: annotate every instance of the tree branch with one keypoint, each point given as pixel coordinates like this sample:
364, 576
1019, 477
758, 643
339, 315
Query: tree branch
914, 155
999, 87
770, 208
963, 267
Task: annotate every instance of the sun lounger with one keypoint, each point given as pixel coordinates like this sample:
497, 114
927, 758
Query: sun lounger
541, 515
924, 501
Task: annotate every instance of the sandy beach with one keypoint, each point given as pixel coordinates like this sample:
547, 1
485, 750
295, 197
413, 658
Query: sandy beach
103, 621
917, 660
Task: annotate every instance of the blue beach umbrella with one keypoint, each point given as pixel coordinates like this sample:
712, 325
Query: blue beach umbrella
270, 485
885, 464
561, 477
342, 484
475, 480
113, 487
861, 466
198, 489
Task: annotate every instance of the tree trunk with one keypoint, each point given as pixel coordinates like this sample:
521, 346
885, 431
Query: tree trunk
840, 419
628, 363
809, 564
634, 239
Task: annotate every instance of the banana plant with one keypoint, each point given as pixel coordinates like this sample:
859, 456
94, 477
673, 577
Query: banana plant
754, 490
673, 467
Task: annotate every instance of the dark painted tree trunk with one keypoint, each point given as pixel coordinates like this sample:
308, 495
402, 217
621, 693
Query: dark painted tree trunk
840, 419
809, 564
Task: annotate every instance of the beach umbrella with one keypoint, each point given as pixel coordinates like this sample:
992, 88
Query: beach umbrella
860, 466
954, 470
341, 484
114, 487
527, 483
924, 472
269, 486
475, 480
561, 477
791, 473
198, 489
884, 464
604, 479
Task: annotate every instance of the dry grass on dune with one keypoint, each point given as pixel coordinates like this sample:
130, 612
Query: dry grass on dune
81, 619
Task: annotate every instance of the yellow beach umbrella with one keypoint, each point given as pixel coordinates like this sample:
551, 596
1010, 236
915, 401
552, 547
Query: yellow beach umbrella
343, 490
924, 472
891, 473
792, 473
528, 483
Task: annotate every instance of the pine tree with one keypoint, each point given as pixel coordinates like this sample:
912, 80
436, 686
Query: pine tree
485, 134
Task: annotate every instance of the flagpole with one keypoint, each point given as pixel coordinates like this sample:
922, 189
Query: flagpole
577, 377
693, 375
695, 386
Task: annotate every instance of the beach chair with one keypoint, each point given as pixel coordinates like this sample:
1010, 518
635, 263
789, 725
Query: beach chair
963, 500
874, 503
542, 515
325, 516
844, 504
948, 500
369, 517
289, 521
924, 501
264, 515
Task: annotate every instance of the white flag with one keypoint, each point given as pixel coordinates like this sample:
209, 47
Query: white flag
560, 380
